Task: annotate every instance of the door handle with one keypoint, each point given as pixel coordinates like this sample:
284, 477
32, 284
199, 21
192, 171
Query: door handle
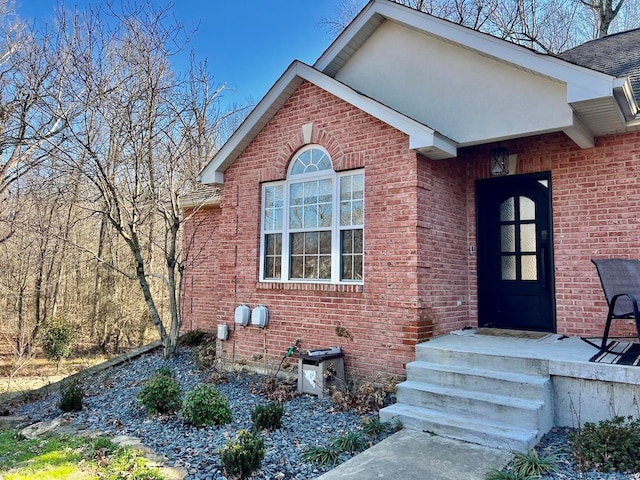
543, 266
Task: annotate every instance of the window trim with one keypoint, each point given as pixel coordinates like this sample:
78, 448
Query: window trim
336, 229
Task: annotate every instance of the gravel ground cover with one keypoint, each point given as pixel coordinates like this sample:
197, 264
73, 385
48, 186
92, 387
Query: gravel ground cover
110, 406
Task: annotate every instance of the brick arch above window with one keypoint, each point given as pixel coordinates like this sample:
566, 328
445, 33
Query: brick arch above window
295, 142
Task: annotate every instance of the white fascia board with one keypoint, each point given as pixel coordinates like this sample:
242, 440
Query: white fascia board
582, 83
213, 172
421, 137
355, 29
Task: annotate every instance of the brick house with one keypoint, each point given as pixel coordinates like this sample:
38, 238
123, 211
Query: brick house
419, 178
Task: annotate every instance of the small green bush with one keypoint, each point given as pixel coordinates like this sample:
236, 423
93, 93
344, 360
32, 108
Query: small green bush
267, 416
373, 427
243, 455
71, 397
349, 442
165, 370
205, 406
58, 335
318, 455
610, 445
160, 394
531, 464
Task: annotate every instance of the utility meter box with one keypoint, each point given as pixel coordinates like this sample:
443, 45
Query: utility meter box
260, 316
319, 372
223, 331
242, 315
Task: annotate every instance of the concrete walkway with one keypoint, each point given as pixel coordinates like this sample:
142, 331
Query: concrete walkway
412, 455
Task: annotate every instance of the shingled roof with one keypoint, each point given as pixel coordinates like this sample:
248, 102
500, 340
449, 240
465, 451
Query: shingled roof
617, 54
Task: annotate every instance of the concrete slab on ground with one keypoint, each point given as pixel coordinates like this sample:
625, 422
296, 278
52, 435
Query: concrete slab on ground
412, 455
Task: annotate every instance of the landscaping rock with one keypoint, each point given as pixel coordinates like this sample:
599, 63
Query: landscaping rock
46, 426
9, 422
111, 406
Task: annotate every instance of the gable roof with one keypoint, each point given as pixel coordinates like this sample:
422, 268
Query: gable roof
592, 103
422, 138
617, 54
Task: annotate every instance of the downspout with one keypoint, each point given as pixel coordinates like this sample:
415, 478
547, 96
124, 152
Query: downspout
624, 95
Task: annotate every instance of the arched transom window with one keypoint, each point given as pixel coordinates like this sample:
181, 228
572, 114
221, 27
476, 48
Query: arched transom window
312, 222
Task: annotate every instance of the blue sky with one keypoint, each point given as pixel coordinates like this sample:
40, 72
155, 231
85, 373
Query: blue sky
248, 44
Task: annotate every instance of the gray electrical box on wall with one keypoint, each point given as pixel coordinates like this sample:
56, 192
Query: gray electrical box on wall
223, 331
260, 316
242, 315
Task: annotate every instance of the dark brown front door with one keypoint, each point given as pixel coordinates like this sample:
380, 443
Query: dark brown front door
515, 257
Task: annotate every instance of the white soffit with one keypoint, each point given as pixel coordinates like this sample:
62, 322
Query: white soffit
421, 138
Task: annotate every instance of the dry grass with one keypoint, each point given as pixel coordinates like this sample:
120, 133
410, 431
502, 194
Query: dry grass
38, 372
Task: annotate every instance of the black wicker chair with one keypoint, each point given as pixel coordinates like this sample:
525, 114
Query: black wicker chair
620, 279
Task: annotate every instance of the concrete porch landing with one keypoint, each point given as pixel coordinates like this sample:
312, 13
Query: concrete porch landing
567, 356
505, 392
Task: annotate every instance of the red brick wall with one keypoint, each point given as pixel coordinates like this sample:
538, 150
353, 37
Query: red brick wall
596, 214
420, 276
404, 299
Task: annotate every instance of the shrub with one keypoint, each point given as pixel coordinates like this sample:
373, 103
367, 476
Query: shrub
611, 445
165, 370
318, 455
192, 338
161, 393
206, 406
205, 354
267, 416
278, 389
362, 397
243, 455
373, 427
57, 336
71, 397
533, 465
349, 442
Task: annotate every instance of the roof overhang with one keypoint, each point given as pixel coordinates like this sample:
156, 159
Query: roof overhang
607, 101
422, 138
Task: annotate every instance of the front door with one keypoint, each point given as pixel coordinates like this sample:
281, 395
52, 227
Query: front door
515, 257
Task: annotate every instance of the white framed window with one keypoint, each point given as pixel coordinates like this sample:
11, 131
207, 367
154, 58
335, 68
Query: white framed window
313, 223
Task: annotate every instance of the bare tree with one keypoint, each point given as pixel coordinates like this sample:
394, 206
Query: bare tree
32, 104
605, 12
550, 26
142, 133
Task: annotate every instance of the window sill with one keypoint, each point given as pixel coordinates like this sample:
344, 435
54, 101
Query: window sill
312, 287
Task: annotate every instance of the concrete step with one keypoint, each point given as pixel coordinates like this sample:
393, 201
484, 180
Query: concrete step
468, 428
527, 413
433, 353
533, 387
